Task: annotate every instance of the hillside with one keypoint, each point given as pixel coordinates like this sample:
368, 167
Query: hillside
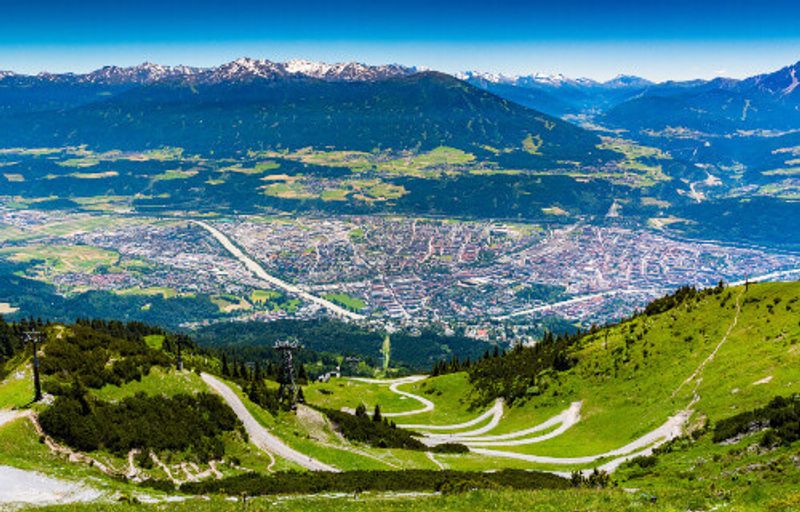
689, 362
558, 95
233, 114
645, 399
763, 102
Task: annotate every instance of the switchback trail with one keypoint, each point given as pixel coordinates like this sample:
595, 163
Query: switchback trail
427, 405
669, 430
260, 436
495, 413
564, 421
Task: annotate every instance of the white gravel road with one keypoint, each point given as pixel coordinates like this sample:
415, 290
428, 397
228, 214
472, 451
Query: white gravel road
427, 405
564, 420
671, 429
259, 435
21, 487
495, 413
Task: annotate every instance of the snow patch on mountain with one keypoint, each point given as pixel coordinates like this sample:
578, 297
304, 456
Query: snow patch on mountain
242, 70
795, 82
551, 80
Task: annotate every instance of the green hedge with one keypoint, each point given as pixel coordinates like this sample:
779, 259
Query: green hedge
292, 482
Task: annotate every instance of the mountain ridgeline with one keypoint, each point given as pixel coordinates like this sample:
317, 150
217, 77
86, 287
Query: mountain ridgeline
764, 102
233, 114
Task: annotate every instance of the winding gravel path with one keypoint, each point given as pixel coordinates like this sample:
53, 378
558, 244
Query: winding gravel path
495, 413
479, 443
669, 430
260, 436
564, 420
427, 405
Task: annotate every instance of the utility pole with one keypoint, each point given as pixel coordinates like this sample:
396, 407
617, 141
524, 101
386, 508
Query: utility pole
288, 389
179, 343
34, 338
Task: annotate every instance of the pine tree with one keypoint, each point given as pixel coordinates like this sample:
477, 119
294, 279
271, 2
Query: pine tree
376, 416
226, 372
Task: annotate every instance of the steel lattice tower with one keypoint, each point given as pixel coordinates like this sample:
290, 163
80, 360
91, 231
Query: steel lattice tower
288, 389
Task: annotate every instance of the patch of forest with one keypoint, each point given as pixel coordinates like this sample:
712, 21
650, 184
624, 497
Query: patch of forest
182, 423
380, 432
327, 339
779, 419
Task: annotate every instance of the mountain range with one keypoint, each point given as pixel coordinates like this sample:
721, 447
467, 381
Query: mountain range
769, 101
559, 95
251, 104
240, 69
533, 123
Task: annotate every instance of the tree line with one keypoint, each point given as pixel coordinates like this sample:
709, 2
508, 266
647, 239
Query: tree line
779, 419
517, 374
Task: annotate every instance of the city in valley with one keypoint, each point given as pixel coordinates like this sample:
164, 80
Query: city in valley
490, 280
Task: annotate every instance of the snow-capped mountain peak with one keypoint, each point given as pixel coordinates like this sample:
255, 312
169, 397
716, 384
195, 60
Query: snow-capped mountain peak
144, 73
497, 78
307, 67
536, 79
346, 71
245, 68
627, 81
783, 82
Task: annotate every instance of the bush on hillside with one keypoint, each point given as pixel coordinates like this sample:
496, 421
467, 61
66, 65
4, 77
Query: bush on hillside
99, 353
780, 418
380, 433
182, 422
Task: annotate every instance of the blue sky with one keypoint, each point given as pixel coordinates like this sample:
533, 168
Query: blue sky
660, 40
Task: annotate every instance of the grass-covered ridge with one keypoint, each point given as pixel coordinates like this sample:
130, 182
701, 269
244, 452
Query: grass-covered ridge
706, 354
716, 359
